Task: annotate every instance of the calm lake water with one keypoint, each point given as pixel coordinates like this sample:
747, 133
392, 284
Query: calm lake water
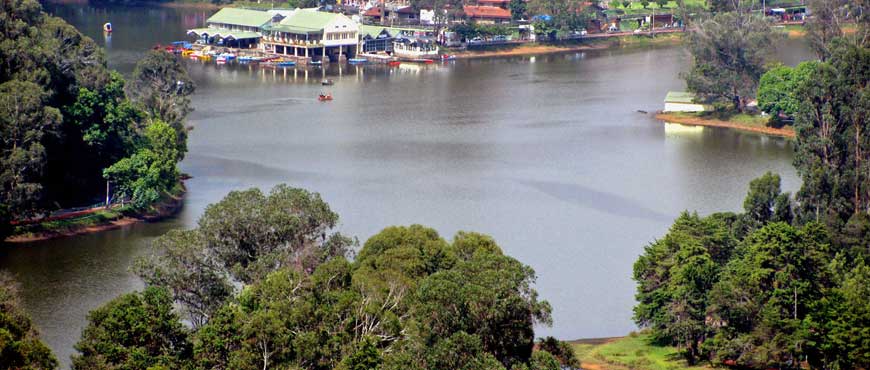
547, 154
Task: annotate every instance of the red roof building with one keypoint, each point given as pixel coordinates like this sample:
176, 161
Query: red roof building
487, 14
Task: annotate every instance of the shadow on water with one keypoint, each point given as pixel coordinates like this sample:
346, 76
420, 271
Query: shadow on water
597, 200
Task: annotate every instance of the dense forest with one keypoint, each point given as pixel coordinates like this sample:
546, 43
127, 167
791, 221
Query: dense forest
785, 283
69, 124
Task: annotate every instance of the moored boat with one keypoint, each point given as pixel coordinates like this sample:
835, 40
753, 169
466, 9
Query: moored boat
326, 82
357, 60
394, 63
325, 97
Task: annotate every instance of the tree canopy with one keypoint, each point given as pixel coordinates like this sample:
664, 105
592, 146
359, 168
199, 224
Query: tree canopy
20, 347
729, 51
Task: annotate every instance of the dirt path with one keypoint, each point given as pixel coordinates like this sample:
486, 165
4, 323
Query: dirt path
697, 121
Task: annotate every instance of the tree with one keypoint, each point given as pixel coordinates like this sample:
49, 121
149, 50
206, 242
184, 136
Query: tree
662, 3
824, 25
561, 351
761, 304
728, 55
777, 90
150, 172
518, 9
252, 234
160, 83
543, 360
20, 347
832, 141
644, 3
843, 343
184, 268
765, 202
134, 331
25, 124
366, 357
674, 275
103, 127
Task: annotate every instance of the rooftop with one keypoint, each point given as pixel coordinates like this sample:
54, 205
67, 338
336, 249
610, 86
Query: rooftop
680, 97
223, 33
241, 17
309, 19
486, 12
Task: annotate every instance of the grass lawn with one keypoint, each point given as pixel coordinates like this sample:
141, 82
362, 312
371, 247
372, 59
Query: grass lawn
637, 8
631, 352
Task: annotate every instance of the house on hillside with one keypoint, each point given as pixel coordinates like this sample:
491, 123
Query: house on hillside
487, 14
235, 27
312, 34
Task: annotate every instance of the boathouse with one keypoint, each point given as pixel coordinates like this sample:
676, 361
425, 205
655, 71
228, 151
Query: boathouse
679, 101
234, 27
308, 33
380, 39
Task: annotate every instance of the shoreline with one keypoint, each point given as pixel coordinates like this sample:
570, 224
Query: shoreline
711, 122
603, 43
165, 208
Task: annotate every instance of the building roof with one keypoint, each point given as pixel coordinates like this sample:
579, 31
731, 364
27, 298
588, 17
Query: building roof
493, 1
306, 19
373, 12
492, 12
223, 33
241, 17
680, 97
406, 10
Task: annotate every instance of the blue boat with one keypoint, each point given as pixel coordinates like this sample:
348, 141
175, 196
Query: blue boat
357, 60
285, 63
245, 58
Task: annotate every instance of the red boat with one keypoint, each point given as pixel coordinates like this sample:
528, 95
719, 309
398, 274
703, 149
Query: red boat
394, 63
325, 97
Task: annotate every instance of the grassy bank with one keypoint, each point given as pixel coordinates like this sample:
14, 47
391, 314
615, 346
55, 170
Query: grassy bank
743, 122
100, 220
630, 352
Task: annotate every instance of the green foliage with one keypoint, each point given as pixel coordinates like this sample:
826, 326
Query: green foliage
160, 84
543, 360
764, 296
766, 203
20, 347
25, 125
562, 351
674, 275
134, 331
833, 143
518, 9
184, 267
728, 57
252, 234
366, 357
151, 171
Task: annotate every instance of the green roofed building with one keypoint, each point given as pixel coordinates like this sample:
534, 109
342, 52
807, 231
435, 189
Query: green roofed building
239, 19
234, 27
680, 101
308, 33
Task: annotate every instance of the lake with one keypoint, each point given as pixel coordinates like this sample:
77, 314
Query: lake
547, 154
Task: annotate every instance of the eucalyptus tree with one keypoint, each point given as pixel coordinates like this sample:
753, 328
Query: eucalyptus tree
728, 52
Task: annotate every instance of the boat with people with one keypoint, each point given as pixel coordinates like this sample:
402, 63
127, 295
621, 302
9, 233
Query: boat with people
326, 82
324, 97
446, 57
107, 27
